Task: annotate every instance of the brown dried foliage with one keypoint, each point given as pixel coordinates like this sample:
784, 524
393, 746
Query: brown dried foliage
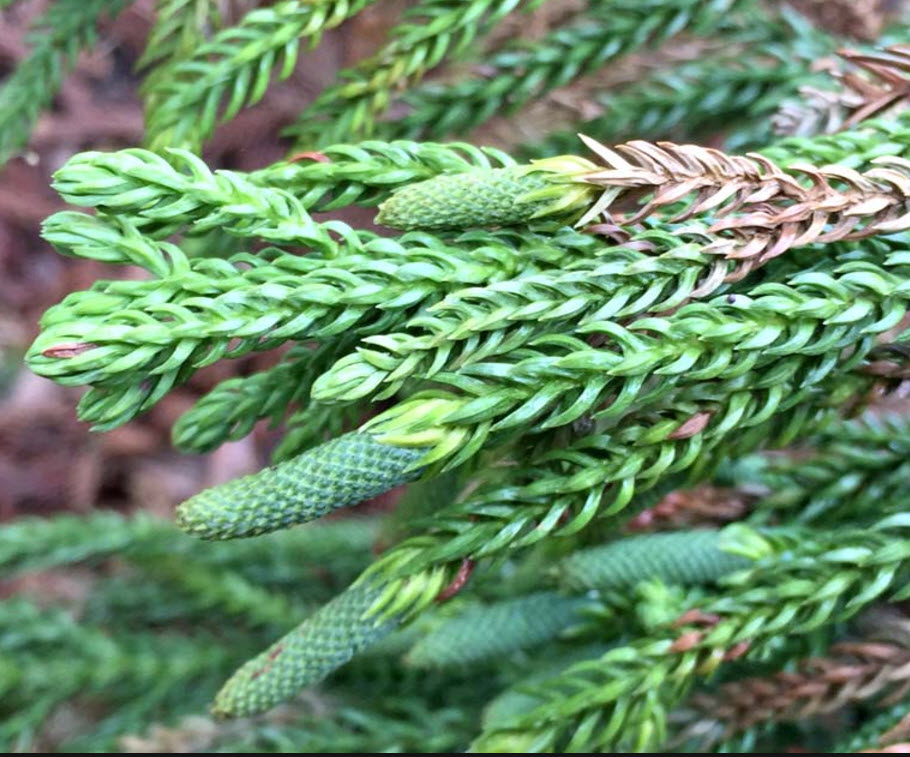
874, 85
855, 672
704, 505
863, 19
761, 210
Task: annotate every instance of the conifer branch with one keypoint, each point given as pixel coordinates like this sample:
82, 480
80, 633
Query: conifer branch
621, 701
747, 83
234, 68
559, 491
486, 632
108, 335
856, 472
231, 409
403, 723
516, 75
855, 148
566, 341
653, 271
180, 26
705, 505
59, 35
432, 30
32, 544
160, 195
761, 207
874, 734
218, 590
771, 209
49, 658
560, 380
852, 672
852, 472
878, 84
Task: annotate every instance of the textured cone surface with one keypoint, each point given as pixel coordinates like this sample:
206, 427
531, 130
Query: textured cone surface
482, 633
342, 472
465, 200
692, 557
321, 644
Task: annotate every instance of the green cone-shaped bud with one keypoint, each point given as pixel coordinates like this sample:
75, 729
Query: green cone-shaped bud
342, 472
322, 643
491, 631
685, 557
496, 197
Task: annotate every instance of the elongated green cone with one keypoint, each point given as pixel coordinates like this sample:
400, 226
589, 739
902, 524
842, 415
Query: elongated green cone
686, 557
497, 197
322, 643
491, 631
342, 472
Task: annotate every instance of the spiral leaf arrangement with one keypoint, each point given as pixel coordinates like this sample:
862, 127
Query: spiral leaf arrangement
550, 349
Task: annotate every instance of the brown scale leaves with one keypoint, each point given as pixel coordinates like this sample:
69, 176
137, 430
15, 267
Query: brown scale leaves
853, 672
873, 85
758, 211
888, 86
705, 505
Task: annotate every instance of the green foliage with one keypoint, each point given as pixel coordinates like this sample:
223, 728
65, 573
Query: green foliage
231, 409
235, 65
537, 351
621, 700
745, 81
869, 736
180, 25
857, 470
160, 196
49, 658
523, 72
432, 31
66, 28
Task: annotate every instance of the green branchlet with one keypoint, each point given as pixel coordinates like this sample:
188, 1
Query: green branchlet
123, 337
162, 193
803, 326
234, 68
826, 577
518, 74
58, 36
564, 376
431, 31
233, 407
